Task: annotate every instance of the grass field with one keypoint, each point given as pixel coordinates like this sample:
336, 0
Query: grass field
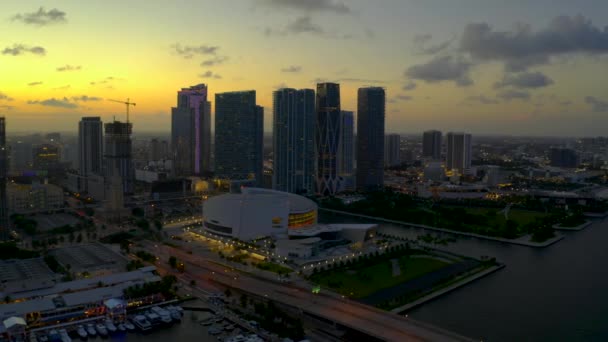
522, 217
362, 282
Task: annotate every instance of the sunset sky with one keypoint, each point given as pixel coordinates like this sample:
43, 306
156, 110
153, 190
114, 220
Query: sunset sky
485, 66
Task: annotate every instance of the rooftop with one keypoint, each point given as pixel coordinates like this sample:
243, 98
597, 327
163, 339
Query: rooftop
89, 257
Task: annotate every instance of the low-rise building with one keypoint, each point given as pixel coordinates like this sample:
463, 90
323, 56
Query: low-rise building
35, 196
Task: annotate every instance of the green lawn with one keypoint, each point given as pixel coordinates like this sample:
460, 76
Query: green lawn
522, 217
362, 282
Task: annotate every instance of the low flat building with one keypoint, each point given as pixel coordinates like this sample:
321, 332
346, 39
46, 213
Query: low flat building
35, 196
18, 275
95, 259
76, 299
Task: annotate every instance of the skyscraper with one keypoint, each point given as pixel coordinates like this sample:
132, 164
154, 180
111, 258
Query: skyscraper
293, 140
346, 157
392, 150
191, 131
431, 144
117, 154
327, 138
563, 157
90, 146
458, 153
4, 223
239, 136
371, 104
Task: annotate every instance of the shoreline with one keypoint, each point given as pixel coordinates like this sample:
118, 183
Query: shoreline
518, 241
577, 228
436, 294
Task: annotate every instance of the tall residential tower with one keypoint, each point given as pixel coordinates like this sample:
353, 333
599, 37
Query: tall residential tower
458, 152
392, 150
371, 104
327, 138
431, 144
191, 131
239, 136
293, 140
90, 147
4, 223
118, 158
346, 156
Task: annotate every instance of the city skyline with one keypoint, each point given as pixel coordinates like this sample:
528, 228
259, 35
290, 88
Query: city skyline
466, 70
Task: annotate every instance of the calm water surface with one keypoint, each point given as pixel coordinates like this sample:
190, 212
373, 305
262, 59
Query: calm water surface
558, 293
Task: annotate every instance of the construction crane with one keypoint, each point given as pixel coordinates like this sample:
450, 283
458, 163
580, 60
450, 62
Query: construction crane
127, 103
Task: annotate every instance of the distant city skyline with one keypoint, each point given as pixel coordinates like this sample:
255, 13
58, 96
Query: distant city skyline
487, 67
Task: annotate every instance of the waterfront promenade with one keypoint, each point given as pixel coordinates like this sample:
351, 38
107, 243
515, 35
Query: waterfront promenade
523, 241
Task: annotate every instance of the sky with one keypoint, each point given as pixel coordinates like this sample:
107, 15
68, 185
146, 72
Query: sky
484, 66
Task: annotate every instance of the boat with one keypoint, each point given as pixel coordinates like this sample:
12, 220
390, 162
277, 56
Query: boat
43, 338
121, 327
229, 327
129, 326
91, 330
165, 315
214, 331
64, 336
101, 329
207, 322
82, 333
142, 323
33, 337
54, 336
153, 318
110, 326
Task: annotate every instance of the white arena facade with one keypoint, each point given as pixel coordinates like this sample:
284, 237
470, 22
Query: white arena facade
256, 213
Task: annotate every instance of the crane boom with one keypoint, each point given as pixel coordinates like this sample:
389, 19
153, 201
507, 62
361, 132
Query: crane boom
127, 103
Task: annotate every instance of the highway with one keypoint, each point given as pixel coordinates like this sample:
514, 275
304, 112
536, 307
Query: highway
369, 320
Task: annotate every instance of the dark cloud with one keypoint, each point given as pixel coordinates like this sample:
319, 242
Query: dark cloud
107, 80
404, 97
63, 87
53, 102
525, 80
565, 103
68, 67
292, 68
597, 105
481, 99
41, 17
85, 98
305, 25
509, 95
308, 5
3, 96
422, 38
21, 49
32, 84
188, 51
421, 45
442, 68
522, 47
7, 107
409, 86
217, 60
209, 74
